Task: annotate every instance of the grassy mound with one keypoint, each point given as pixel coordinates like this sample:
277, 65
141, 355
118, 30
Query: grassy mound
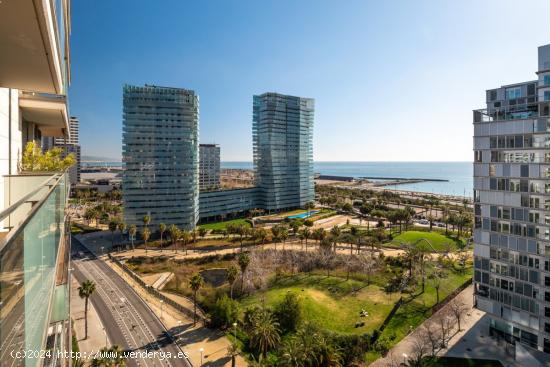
437, 241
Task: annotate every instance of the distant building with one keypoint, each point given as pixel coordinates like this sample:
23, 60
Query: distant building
282, 133
71, 145
512, 210
209, 167
160, 156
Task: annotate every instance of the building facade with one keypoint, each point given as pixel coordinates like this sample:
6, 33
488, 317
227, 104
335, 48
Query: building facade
282, 131
512, 209
160, 156
220, 204
209, 167
34, 236
71, 145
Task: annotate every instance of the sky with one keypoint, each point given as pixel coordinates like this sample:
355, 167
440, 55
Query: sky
392, 80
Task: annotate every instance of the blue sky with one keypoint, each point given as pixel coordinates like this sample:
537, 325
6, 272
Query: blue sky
392, 80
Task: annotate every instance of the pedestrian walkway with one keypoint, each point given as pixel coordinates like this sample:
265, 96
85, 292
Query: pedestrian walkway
97, 338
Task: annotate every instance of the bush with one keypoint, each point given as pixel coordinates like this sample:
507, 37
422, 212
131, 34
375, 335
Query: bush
225, 312
289, 312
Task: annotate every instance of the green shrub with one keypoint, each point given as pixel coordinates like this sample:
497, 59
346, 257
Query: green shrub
225, 312
289, 312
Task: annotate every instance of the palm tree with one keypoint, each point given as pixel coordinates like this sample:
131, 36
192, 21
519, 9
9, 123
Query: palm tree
283, 235
195, 283
335, 233
242, 231
112, 227
162, 229
145, 234
132, 233
121, 227
261, 235
306, 234
85, 291
244, 260
319, 234
174, 232
146, 220
231, 276
185, 237
202, 232
265, 333
309, 205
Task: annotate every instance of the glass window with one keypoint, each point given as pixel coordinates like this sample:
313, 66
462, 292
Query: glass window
513, 93
547, 80
547, 95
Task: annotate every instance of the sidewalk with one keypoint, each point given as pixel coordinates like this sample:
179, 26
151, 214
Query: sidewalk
96, 336
213, 342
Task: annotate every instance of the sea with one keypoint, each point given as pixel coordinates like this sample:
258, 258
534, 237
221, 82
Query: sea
458, 174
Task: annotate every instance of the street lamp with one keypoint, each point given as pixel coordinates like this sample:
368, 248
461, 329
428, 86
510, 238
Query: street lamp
201, 350
161, 304
235, 331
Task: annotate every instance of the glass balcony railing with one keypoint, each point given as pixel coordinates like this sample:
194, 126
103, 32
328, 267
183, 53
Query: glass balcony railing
33, 265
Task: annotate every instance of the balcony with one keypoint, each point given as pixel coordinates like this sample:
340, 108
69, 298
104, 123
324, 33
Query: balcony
482, 115
34, 44
34, 254
47, 111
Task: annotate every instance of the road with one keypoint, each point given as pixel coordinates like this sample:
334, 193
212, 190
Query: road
128, 321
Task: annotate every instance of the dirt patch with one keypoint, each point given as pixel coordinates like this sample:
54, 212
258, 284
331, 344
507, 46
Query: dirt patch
215, 277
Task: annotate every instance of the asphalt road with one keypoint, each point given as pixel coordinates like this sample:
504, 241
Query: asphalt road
127, 319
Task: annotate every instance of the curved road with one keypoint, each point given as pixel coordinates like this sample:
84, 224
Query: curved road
127, 319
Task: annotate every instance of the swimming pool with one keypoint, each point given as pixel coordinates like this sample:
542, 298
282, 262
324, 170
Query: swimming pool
303, 215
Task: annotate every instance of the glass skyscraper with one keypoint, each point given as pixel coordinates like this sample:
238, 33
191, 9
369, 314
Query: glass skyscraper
512, 210
160, 156
282, 133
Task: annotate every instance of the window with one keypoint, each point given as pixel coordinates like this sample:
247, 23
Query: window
547, 95
524, 170
477, 156
547, 80
513, 93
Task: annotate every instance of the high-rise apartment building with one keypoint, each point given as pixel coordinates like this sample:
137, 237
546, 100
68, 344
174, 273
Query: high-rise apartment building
34, 231
160, 156
71, 145
512, 209
282, 132
209, 167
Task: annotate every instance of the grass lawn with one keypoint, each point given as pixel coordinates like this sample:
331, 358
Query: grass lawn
438, 241
330, 301
223, 225
417, 308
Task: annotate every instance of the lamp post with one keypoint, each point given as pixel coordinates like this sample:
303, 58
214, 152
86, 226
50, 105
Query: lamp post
235, 331
201, 350
161, 309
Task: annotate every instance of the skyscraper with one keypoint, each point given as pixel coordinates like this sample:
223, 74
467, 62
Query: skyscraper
71, 145
209, 167
282, 133
512, 209
160, 155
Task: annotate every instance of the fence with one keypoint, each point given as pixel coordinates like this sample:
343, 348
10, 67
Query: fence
447, 299
200, 313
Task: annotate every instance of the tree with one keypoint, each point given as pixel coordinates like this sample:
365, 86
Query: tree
202, 232
146, 220
225, 312
185, 237
431, 219
458, 309
173, 231
306, 234
436, 278
335, 234
85, 291
34, 160
113, 225
146, 234
244, 261
121, 227
162, 229
319, 234
109, 357
195, 284
242, 231
231, 276
289, 312
132, 233
264, 334
309, 205
283, 235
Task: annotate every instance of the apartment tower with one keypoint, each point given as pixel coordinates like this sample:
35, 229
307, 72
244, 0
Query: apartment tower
512, 210
160, 156
209, 167
282, 133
